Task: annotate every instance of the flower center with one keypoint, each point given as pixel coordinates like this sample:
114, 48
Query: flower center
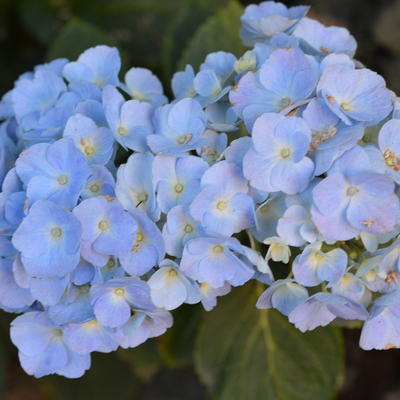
352, 191
142, 197
122, 131
139, 237
345, 106
172, 273
94, 187
286, 101
62, 180
222, 205
119, 291
188, 228
285, 153
103, 225
391, 160
217, 249
184, 139
56, 232
178, 188
89, 150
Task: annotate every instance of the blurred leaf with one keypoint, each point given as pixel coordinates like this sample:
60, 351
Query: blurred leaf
386, 27
76, 36
177, 344
144, 360
184, 26
39, 18
108, 378
219, 33
245, 353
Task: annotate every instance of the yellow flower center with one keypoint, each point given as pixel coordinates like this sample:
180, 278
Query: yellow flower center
119, 291
218, 249
62, 180
285, 153
103, 225
178, 188
56, 232
188, 228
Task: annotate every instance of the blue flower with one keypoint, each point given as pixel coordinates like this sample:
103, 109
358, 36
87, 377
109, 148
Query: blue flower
178, 127
99, 65
48, 239
346, 205
277, 161
88, 336
260, 22
134, 188
177, 180
129, 121
313, 266
143, 85
284, 295
147, 248
355, 94
324, 40
381, 329
112, 301
96, 144
322, 308
106, 227
351, 287
223, 205
55, 172
144, 325
179, 228
100, 183
170, 288
182, 83
221, 117
42, 350
209, 294
285, 79
215, 261
215, 144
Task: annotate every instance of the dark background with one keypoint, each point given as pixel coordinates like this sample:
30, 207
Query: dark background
33, 31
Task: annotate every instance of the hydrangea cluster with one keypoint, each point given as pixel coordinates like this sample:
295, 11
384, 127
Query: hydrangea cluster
95, 255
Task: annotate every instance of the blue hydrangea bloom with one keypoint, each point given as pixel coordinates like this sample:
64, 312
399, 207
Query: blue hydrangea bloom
129, 121
260, 22
178, 127
99, 65
147, 248
48, 239
215, 261
277, 161
106, 227
284, 295
381, 329
55, 172
177, 180
325, 40
134, 188
223, 205
96, 144
355, 94
351, 287
42, 350
346, 205
213, 146
100, 183
144, 325
209, 294
313, 266
170, 288
143, 85
112, 301
88, 336
322, 308
221, 117
285, 79
182, 83
179, 228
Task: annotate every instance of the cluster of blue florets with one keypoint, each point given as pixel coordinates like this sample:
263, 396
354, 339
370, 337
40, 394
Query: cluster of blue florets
94, 256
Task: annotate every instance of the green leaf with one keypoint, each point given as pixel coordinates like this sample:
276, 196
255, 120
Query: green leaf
184, 26
108, 378
176, 346
144, 360
219, 33
245, 353
76, 36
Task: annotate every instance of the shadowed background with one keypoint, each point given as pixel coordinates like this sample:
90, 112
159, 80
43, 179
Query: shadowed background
156, 34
